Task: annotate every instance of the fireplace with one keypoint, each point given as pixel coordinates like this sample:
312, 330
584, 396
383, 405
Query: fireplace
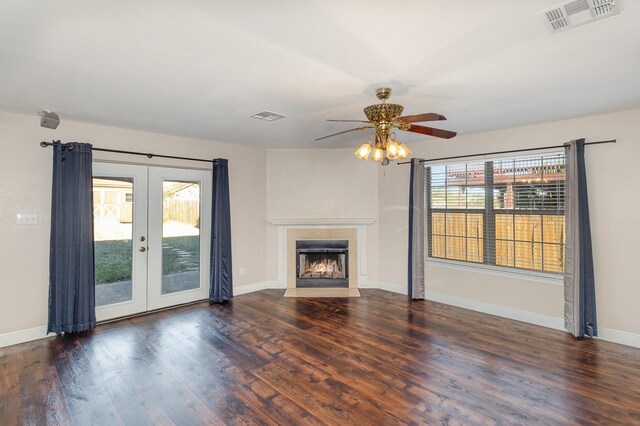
290, 231
322, 263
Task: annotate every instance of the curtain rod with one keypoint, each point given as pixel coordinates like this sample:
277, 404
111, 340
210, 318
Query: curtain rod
505, 152
146, 154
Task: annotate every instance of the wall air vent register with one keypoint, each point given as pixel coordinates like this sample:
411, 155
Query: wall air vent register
578, 12
268, 116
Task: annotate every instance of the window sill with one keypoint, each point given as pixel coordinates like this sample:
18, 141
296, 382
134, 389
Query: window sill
542, 277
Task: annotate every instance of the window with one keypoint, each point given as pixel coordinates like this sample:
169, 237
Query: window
507, 212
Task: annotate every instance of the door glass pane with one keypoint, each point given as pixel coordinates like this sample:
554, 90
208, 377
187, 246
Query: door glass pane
180, 236
113, 242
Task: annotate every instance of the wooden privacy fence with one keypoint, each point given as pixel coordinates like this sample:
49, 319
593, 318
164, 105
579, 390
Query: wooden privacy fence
522, 241
181, 210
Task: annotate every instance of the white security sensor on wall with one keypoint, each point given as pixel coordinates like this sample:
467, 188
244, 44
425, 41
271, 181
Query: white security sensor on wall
49, 119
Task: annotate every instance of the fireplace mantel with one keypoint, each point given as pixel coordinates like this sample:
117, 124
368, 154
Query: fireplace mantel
322, 221
300, 224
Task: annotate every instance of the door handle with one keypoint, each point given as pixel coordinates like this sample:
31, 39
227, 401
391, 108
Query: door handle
143, 249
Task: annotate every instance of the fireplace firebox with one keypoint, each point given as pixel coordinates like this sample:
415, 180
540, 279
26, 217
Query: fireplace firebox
322, 263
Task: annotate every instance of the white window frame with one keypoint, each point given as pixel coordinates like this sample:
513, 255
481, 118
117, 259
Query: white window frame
506, 271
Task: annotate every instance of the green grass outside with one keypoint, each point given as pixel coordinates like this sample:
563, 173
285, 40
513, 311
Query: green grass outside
113, 258
113, 261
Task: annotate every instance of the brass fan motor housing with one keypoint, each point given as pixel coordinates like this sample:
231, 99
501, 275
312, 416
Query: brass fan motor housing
383, 112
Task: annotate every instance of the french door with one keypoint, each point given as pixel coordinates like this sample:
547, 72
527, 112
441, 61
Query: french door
151, 237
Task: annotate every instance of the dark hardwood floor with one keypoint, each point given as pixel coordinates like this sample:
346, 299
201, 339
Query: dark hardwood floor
378, 359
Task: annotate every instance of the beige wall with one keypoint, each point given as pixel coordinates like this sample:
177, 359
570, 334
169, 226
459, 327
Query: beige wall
25, 187
321, 183
333, 184
613, 175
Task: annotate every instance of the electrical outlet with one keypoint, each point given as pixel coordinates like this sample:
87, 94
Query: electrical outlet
26, 218
241, 271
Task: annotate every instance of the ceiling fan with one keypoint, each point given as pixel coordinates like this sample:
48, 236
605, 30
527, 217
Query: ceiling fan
384, 117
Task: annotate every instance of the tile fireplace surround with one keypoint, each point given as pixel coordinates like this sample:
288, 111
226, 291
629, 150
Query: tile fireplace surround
290, 230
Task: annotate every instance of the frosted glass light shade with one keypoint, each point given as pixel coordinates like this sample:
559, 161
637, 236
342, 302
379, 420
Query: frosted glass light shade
364, 151
378, 154
392, 149
403, 151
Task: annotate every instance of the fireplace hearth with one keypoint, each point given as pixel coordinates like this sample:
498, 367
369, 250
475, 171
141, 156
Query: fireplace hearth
322, 263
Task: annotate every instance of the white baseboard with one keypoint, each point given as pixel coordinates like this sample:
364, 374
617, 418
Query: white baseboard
257, 286
22, 336
608, 334
383, 285
617, 336
474, 305
31, 334
501, 311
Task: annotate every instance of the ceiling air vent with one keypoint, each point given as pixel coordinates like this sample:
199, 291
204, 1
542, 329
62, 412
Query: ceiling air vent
579, 12
268, 116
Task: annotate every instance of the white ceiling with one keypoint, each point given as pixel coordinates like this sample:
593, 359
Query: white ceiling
201, 68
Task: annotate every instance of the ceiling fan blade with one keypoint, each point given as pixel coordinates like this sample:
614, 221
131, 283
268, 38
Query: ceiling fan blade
346, 131
351, 121
429, 116
439, 133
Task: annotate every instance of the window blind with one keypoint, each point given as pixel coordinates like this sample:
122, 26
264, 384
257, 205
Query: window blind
505, 212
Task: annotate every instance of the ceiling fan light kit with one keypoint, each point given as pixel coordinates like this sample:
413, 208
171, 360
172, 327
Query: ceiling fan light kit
383, 118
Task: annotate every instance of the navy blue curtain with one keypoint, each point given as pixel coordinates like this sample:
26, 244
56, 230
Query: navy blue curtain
580, 293
587, 289
71, 257
415, 271
221, 288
